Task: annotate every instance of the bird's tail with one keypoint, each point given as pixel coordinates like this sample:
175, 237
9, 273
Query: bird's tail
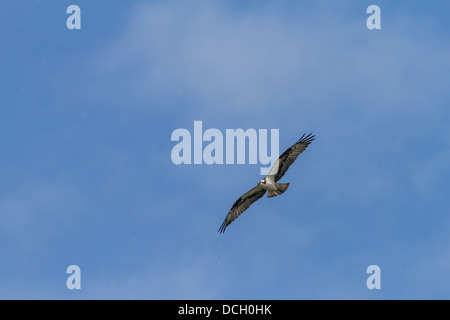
282, 187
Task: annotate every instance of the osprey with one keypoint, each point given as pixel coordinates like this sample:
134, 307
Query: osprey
269, 183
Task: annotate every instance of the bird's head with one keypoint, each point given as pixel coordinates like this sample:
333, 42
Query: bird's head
263, 181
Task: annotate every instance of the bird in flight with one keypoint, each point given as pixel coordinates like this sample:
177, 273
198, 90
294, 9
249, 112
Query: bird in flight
269, 183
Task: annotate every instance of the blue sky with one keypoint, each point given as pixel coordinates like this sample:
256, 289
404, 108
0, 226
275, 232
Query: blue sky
86, 118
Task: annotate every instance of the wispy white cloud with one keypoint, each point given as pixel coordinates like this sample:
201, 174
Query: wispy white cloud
212, 58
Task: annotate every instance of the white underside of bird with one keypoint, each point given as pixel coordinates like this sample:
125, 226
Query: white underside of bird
269, 184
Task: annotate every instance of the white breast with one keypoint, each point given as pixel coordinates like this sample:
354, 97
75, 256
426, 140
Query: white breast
270, 184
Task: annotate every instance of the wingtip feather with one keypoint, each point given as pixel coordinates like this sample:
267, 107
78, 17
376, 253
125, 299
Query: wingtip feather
223, 226
307, 139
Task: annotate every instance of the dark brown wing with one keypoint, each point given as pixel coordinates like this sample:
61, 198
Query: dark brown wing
242, 204
289, 156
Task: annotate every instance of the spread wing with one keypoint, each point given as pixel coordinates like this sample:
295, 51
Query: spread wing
242, 204
289, 156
